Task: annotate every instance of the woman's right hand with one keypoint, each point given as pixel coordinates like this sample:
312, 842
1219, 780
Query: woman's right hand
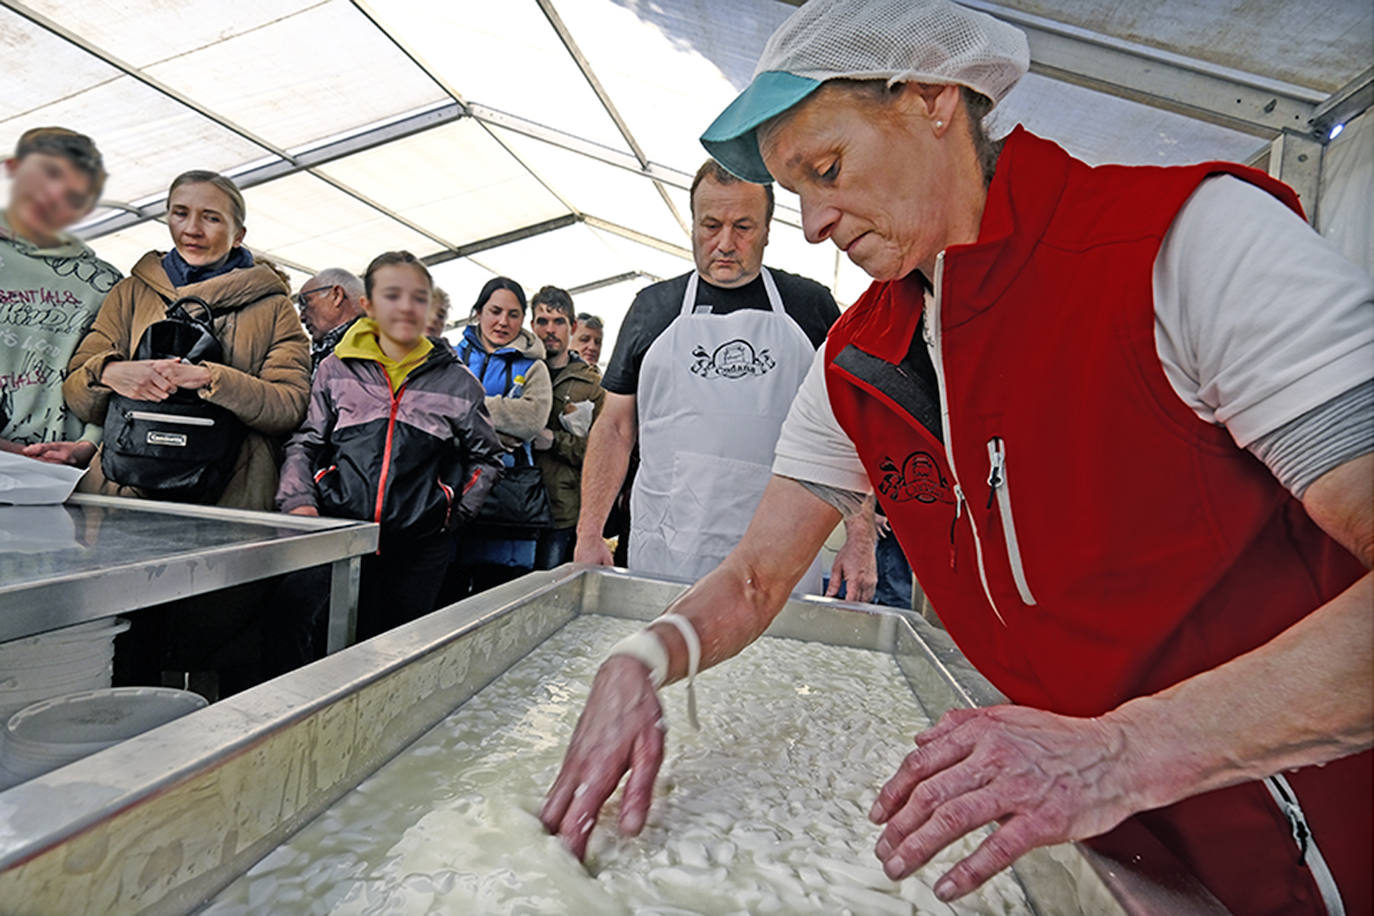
305, 510
620, 729
140, 379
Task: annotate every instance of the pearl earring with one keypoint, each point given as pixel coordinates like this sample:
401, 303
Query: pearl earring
939, 124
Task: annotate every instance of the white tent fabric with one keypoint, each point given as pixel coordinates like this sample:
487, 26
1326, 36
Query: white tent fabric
552, 140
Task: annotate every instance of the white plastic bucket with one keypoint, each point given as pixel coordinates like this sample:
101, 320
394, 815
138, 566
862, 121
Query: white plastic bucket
53, 732
57, 662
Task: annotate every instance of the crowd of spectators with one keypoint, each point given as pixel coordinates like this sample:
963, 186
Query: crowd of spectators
343, 399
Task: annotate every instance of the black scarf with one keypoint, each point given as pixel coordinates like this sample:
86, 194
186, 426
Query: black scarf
183, 274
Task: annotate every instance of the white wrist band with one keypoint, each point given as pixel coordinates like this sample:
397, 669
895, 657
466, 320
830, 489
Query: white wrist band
649, 649
689, 636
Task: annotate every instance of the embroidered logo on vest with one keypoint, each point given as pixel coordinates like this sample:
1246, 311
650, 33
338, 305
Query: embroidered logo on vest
918, 478
732, 359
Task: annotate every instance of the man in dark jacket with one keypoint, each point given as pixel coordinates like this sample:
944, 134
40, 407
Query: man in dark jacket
561, 445
329, 303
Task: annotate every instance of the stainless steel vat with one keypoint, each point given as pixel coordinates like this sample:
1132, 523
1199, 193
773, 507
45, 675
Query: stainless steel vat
159, 823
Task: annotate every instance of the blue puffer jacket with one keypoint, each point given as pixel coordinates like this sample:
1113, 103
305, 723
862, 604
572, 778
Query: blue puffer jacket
519, 398
518, 409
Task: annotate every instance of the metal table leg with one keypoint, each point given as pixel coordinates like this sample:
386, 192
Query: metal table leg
343, 603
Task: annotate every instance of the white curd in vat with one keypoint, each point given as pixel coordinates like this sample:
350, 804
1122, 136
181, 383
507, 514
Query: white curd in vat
762, 811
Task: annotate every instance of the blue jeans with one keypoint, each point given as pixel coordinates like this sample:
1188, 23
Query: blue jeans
894, 575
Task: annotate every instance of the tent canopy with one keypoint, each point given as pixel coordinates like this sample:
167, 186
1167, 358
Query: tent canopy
553, 140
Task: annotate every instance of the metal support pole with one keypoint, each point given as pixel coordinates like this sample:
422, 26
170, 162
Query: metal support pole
1296, 160
343, 603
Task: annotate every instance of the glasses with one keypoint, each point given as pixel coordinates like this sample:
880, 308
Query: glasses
303, 297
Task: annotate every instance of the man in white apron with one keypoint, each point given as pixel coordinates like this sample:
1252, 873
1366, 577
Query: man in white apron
704, 370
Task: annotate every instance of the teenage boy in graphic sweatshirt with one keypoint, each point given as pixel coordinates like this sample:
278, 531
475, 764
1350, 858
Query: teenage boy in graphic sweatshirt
51, 285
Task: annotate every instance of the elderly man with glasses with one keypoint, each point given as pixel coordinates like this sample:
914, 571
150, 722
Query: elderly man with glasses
329, 303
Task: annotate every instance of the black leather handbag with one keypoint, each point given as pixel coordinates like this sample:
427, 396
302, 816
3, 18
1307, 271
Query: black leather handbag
183, 448
518, 505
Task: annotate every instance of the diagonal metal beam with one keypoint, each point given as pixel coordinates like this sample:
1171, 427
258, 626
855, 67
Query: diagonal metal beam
371, 16
612, 281
1198, 89
1345, 103
254, 175
575, 144
505, 238
634, 235
659, 174
160, 207
565, 36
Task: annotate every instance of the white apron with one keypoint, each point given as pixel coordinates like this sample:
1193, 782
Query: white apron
713, 392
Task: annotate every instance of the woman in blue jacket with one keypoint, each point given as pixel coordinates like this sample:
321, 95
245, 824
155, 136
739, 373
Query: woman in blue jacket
509, 362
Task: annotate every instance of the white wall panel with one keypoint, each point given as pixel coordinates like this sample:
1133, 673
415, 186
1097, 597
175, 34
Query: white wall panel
1346, 205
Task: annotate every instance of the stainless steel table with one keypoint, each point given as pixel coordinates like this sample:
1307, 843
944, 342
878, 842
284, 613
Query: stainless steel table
97, 556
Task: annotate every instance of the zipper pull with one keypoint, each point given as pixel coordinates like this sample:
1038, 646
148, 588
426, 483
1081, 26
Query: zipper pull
958, 511
997, 458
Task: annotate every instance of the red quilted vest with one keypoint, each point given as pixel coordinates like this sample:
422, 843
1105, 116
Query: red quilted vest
1083, 535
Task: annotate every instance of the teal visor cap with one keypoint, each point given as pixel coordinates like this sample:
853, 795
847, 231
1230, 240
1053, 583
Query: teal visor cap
731, 138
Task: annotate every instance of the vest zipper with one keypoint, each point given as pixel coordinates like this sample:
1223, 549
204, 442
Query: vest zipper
1308, 853
932, 338
1000, 490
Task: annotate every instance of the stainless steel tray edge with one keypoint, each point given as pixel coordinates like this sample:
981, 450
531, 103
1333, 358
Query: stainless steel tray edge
160, 823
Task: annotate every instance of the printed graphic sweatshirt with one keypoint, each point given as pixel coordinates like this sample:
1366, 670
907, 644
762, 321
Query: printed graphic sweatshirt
48, 299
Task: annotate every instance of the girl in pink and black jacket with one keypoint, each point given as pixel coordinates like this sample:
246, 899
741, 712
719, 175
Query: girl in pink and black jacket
397, 433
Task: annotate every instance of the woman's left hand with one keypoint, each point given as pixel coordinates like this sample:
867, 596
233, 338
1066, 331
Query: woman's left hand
1045, 778
189, 375
77, 454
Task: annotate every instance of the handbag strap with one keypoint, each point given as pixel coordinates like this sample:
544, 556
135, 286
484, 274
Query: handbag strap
177, 309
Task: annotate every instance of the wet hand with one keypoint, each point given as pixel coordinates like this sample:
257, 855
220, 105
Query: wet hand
141, 379
621, 729
1045, 778
855, 567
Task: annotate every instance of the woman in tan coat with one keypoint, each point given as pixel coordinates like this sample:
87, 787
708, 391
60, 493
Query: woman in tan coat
265, 378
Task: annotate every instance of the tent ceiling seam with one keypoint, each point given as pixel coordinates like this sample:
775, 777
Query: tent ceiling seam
425, 68
160, 207
565, 36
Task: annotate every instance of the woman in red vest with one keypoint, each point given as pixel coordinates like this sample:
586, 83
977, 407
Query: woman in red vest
1163, 371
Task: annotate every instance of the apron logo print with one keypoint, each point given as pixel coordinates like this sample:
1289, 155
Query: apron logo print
732, 359
918, 478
